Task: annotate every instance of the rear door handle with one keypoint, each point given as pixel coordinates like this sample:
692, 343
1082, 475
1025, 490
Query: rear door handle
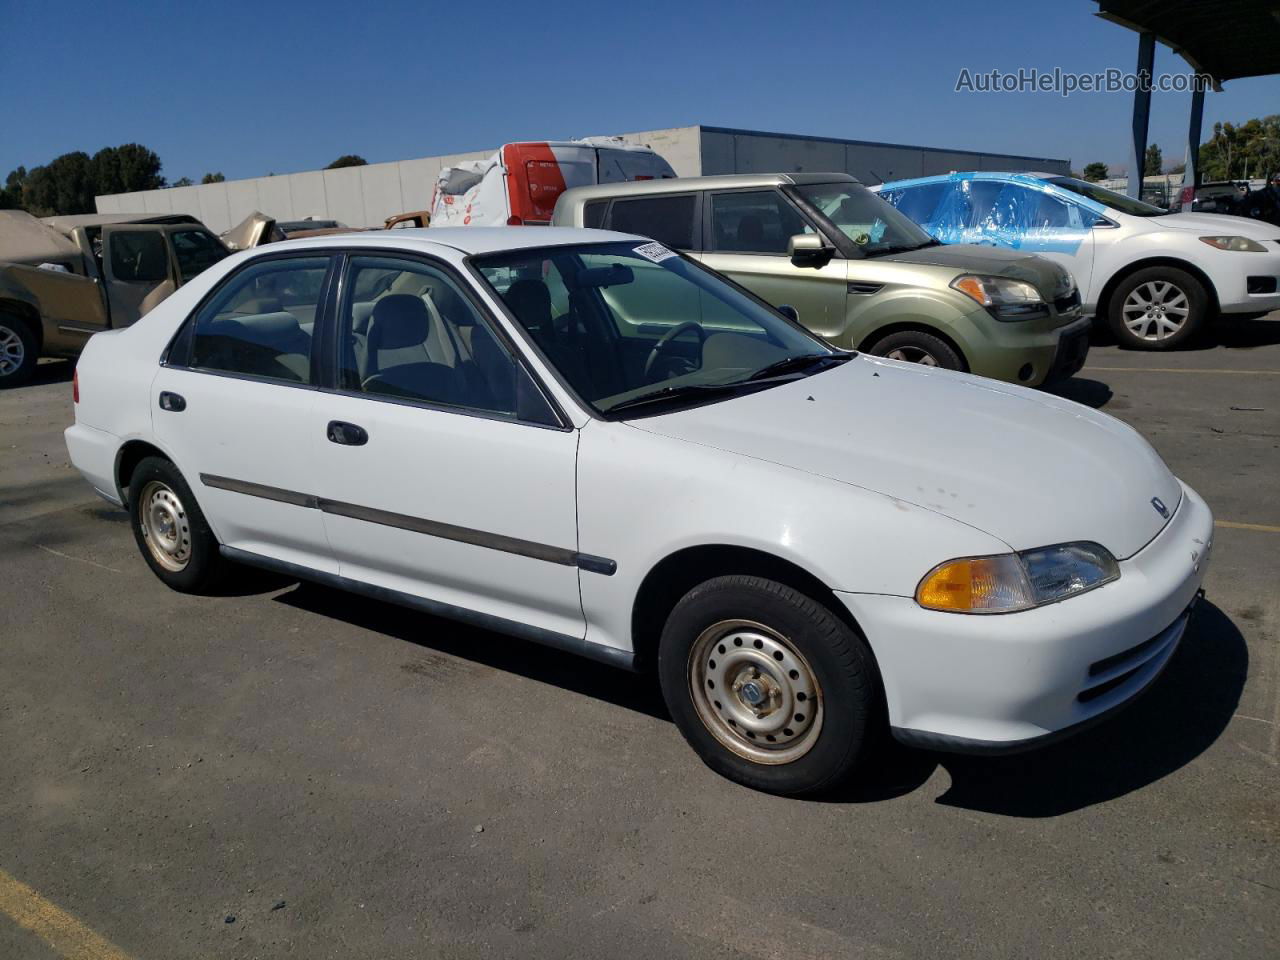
173, 402
347, 434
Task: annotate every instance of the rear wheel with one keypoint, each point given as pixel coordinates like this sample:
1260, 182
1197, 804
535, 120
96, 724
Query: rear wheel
916, 346
768, 686
19, 351
170, 529
1157, 309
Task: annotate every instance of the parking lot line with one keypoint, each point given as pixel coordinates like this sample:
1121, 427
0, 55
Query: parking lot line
64, 933
1233, 525
1234, 373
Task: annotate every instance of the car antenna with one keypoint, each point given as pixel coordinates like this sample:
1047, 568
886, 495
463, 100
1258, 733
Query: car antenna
879, 178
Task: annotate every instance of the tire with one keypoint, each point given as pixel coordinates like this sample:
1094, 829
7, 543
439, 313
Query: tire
170, 529
19, 351
816, 685
916, 346
1176, 308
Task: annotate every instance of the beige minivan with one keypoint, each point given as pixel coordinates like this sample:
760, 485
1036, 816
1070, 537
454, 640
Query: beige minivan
856, 271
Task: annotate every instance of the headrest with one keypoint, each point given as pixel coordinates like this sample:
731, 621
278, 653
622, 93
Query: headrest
530, 301
263, 328
399, 320
360, 314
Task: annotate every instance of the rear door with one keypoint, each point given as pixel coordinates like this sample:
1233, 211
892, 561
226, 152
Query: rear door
235, 406
745, 236
138, 271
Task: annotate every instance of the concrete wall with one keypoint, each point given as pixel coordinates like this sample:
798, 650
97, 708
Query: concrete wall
356, 196
746, 151
365, 196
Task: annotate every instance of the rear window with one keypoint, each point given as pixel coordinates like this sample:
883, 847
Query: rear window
667, 219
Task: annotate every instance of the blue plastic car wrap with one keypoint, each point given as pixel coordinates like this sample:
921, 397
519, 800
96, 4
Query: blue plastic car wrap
1012, 210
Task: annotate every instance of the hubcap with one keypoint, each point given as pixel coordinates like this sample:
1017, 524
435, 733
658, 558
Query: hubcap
1156, 310
166, 529
913, 355
12, 352
755, 692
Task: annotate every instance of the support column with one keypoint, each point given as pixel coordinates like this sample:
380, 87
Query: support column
1141, 112
1191, 175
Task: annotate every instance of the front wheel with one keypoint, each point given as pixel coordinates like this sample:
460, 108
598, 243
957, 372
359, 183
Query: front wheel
19, 351
1157, 309
769, 687
916, 346
170, 529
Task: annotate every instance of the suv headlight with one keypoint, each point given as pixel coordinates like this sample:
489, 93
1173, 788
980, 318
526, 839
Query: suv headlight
1242, 244
1006, 299
1008, 582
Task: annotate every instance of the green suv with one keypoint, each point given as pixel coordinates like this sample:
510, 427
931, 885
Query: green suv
856, 271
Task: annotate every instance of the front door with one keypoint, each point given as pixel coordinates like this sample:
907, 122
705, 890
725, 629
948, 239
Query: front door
138, 274
745, 237
235, 408
430, 482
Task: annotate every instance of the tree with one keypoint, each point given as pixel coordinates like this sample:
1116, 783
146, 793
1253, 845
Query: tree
64, 185
1237, 152
1095, 171
126, 168
1155, 161
183, 182
212, 178
348, 160
11, 192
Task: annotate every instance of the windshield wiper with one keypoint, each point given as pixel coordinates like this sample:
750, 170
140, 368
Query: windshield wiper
795, 364
678, 392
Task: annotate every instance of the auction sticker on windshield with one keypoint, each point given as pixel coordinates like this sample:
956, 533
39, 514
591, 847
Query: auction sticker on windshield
655, 252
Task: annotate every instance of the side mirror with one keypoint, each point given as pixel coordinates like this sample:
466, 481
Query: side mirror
790, 312
809, 250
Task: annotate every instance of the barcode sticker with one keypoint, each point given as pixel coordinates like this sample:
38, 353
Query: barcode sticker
655, 252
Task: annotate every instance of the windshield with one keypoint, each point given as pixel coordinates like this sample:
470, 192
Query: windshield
1108, 198
626, 323
873, 224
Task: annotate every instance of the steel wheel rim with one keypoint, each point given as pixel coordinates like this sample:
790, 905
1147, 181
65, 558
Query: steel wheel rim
913, 355
12, 352
755, 692
166, 527
1156, 310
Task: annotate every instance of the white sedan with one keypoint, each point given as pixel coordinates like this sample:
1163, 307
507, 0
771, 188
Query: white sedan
585, 440
1154, 277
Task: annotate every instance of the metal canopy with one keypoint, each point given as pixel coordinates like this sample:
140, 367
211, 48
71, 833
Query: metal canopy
1226, 39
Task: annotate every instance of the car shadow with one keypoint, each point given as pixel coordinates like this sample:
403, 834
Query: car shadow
51, 371
1092, 393
1223, 332
1168, 726
1173, 722
548, 665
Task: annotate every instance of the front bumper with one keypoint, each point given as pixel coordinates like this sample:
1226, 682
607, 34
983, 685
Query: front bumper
1031, 353
1231, 275
1002, 683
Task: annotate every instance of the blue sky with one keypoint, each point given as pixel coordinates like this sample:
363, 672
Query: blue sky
252, 88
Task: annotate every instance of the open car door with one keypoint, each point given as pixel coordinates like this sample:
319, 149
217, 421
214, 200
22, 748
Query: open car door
135, 261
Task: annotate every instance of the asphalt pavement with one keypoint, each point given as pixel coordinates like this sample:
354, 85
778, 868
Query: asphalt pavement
291, 772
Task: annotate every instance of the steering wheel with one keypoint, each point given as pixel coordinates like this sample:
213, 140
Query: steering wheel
665, 341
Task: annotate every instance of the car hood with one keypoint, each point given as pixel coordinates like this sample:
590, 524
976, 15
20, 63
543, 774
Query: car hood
1216, 224
1041, 272
1026, 467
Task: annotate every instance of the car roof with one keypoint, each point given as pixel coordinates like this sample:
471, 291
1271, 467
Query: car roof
467, 240
731, 181
66, 224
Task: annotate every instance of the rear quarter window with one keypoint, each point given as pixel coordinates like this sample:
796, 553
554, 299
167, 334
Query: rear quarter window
667, 219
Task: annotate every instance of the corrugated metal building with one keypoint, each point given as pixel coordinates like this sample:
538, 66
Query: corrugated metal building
365, 196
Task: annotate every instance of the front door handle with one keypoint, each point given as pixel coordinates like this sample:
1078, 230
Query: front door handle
173, 402
347, 434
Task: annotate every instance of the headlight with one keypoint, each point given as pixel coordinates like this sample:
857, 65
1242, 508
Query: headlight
1016, 581
1006, 299
1242, 244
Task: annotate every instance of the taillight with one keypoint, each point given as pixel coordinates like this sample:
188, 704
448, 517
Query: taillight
75, 387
